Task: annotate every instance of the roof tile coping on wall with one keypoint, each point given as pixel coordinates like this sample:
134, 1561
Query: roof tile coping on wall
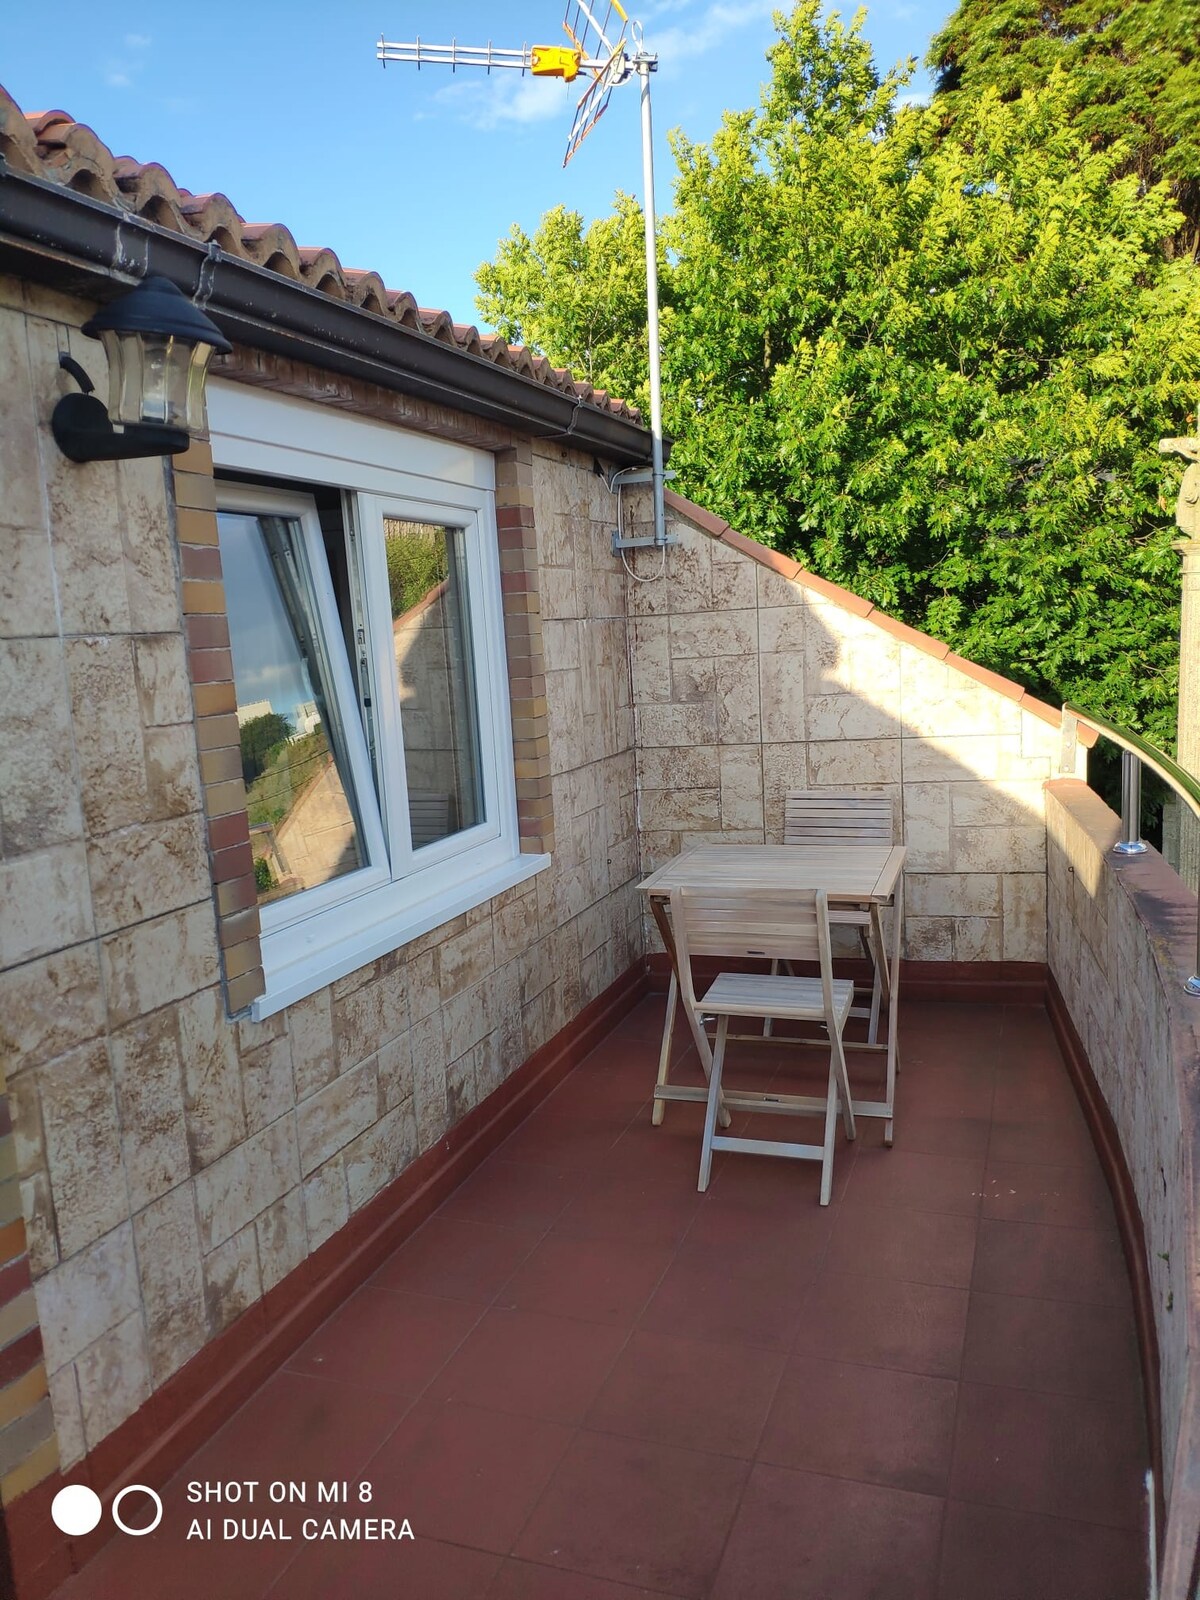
717, 528
52, 146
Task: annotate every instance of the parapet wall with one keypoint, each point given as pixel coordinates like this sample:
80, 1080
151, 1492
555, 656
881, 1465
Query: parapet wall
1121, 945
752, 677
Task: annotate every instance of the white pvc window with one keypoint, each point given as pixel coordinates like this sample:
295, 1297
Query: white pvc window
368, 649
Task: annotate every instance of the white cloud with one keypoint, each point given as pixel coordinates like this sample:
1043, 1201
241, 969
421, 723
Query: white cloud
709, 30
120, 71
495, 101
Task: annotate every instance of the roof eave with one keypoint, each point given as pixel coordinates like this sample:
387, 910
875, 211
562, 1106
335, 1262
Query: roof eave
95, 250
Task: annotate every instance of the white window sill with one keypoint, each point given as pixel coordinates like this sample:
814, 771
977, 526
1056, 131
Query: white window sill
300, 960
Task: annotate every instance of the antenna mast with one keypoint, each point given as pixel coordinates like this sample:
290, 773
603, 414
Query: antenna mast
606, 65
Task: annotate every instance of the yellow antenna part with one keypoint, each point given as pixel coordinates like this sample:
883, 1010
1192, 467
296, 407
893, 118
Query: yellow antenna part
554, 61
620, 10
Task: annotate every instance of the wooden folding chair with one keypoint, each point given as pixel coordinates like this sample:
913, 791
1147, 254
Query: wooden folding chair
838, 817
776, 925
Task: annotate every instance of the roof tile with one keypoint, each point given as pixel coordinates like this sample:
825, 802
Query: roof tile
53, 146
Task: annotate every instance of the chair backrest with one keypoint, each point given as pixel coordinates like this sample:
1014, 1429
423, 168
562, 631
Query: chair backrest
837, 816
757, 924
428, 816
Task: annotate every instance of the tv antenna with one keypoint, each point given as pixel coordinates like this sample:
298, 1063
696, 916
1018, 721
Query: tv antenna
605, 64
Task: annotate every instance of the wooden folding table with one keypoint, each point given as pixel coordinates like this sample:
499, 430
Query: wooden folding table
858, 875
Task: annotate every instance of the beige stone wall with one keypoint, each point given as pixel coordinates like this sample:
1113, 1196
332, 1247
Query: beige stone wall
748, 683
175, 1165
1110, 951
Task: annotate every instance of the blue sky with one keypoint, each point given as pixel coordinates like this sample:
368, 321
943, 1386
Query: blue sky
414, 174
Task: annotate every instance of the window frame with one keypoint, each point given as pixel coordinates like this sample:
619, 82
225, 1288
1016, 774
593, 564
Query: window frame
260, 500
382, 470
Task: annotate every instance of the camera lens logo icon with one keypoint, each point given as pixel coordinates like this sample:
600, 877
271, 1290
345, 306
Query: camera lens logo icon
76, 1510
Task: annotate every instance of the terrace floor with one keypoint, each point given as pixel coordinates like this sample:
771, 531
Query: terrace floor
582, 1380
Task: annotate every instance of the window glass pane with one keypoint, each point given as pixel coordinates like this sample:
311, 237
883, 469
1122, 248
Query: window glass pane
435, 669
303, 826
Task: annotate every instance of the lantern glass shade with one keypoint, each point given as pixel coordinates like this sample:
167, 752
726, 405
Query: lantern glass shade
156, 378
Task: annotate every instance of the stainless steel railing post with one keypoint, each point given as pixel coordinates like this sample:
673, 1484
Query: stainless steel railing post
1136, 752
1131, 842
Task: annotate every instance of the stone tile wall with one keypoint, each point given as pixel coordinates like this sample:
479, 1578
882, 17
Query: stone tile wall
1121, 945
751, 677
174, 1164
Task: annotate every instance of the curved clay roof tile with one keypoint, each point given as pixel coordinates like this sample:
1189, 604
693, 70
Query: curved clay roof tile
366, 290
53, 146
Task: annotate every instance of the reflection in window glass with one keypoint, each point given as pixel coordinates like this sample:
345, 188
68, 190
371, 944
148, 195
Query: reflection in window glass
439, 718
303, 828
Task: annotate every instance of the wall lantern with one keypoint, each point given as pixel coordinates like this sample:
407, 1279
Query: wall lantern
158, 345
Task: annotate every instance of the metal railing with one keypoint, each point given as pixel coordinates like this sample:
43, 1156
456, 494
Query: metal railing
1136, 753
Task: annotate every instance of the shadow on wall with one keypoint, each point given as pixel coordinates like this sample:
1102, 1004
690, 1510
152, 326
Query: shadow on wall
747, 684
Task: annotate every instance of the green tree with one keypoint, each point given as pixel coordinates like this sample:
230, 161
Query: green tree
933, 365
1132, 73
416, 561
577, 290
260, 737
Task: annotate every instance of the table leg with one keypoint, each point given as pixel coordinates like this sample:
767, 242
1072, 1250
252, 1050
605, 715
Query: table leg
664, 1054
893, 998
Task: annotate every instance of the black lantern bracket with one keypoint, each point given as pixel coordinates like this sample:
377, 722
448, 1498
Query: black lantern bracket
83, 432
159, 344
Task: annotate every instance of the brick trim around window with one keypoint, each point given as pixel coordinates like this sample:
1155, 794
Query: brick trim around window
210, 664
210, 667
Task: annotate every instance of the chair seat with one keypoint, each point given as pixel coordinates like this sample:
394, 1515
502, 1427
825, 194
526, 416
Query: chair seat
751, 994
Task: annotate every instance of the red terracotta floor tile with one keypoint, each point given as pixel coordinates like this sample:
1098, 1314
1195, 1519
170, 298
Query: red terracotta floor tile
1063, 1142
590, 1094
645, 1022
776, 1183
511, 1194
564, 1393
991, 1554
1064, 1197
165, 1563
916, 1180
538, 1366
565, 1141
384, 1339
703, 1297
930, 1133
301, 1429
637, 1513
1034, 1090
297, 1429
672, 1150
792, 1241
1051, 1454
523, 1580
916, 1327
961, 1088
688, 1393
768, 1263
1057, 1345
646, 1204
1051, 1263
466, 1474
597, 1280
801, 1536
416, 1569
879, 1426
918, 1246
457, 1260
